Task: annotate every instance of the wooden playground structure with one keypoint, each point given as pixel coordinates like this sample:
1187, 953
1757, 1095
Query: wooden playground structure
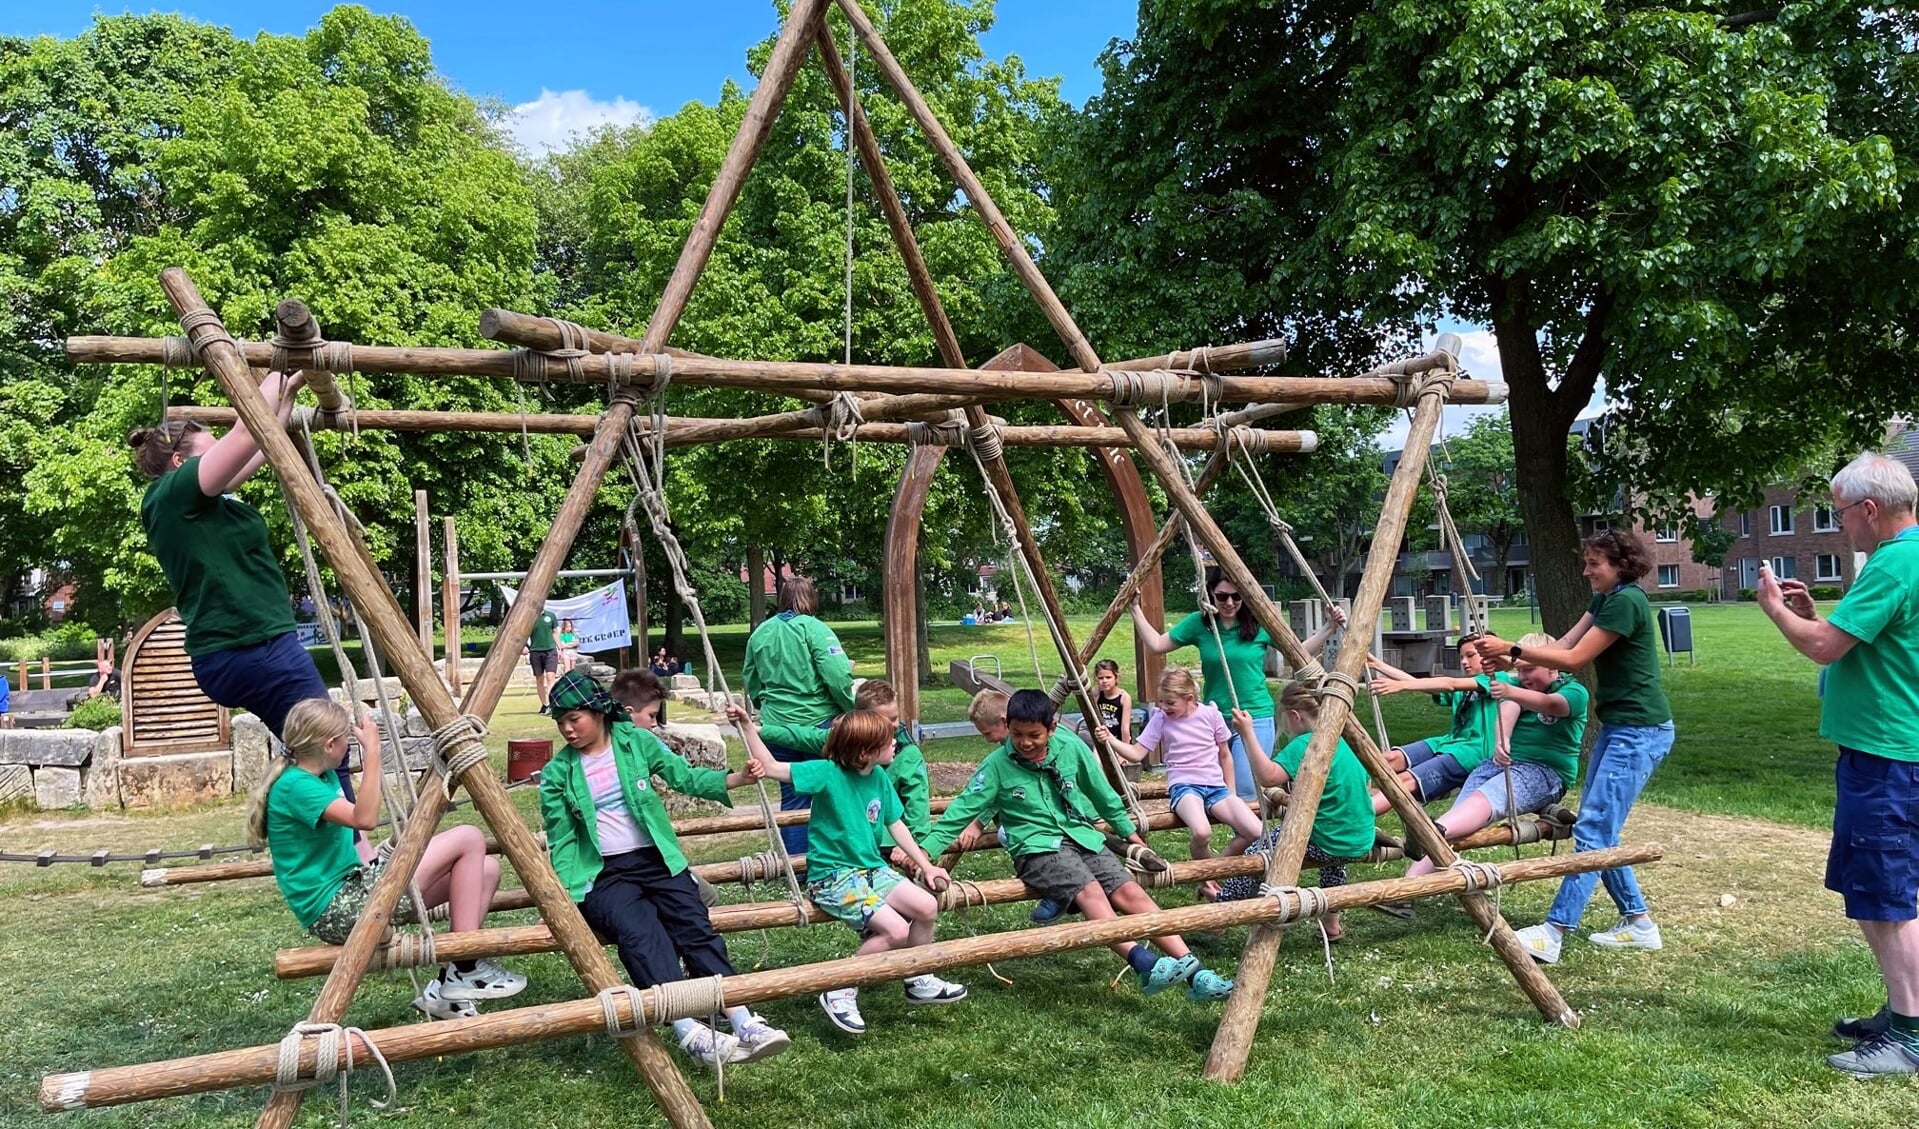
933, 408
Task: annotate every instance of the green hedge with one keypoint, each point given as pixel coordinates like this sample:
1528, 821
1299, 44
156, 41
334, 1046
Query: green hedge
99, 712
68, 642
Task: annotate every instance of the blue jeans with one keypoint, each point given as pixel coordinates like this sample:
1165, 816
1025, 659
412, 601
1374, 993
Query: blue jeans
1243, 786
794, 837
1623, 759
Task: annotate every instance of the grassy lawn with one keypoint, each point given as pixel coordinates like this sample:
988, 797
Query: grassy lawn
1421, 1025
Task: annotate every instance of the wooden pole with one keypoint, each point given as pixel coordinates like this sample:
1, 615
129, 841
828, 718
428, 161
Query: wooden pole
255, 1066
787, 376
423, 572
384, 619
450, 604
1213, 358
294, 326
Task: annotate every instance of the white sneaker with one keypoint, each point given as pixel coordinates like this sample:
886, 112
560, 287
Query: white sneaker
930, 989
432, 1004
1629, 934
487, 981
1541, 942
759, 1039
711, 1049
842, 1006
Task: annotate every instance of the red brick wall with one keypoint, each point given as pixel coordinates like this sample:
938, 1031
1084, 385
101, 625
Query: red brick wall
1803, 546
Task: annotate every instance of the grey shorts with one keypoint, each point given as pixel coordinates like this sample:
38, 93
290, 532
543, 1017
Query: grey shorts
350, 900
543, 662
1534, 786
1062, 874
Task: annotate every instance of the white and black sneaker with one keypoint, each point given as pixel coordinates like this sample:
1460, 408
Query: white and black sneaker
434, 1005
487, 981
842, 1006
930, 989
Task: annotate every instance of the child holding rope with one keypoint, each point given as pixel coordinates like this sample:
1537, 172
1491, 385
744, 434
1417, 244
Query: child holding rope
1433, 768
845, 875
905, 770
1191, 738
613, 847
1114, 703
1042, 782
299, 813
1343, 827
1542, 720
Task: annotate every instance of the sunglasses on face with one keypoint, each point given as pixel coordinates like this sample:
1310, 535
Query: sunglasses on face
1224, 597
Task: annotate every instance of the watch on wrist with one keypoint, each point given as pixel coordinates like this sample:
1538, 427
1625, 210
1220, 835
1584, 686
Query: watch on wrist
1513, 654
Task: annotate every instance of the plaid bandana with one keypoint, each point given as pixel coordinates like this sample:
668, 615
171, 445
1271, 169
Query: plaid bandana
576, 690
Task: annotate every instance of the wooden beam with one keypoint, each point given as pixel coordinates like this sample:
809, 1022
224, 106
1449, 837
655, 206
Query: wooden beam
294, 325
423, 572
450, 603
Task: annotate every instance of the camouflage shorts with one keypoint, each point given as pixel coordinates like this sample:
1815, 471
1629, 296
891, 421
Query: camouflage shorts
337, 920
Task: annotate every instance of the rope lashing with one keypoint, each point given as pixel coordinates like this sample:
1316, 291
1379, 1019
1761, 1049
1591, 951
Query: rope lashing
1479, 876
322, 356
1132, 388
839, 421
609, 1009
332, 1060
196, 319
178, 352
942, 433
1296, 903
1310, 671
985, 442
759, 867
1252, 440
1337, 684
457, 748
1062, 690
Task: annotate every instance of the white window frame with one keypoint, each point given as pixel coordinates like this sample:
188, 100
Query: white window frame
1773, 514
1823, 520
1819, 573
1779, 569
1661, 575
1666, 534
1745, 523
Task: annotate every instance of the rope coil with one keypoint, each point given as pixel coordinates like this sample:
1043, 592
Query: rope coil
985, 443
609, 1009
178, 352
1132, 388
332, 1060
1479, 876
457, 748
1337, 684
1296, 903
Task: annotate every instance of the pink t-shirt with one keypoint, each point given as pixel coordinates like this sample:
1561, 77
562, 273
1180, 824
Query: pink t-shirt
1189, 745
619, 832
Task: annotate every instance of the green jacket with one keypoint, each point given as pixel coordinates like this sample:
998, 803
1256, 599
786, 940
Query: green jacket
796, 670
566, 805
907, 772
1033, 810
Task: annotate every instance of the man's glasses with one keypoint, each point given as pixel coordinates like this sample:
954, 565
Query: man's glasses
1841, 511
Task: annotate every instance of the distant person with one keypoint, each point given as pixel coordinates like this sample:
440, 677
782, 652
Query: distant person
6, 699
1115, 705
662, 665
1005, 612
543, 655
1870, 647
569, 641
799, 674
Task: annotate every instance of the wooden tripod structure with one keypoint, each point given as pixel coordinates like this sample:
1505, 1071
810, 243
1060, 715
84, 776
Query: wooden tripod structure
635, 367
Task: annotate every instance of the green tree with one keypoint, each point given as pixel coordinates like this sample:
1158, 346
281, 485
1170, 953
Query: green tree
1482, 489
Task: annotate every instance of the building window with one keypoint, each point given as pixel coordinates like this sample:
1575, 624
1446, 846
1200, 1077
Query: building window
1669, 576
1781, 520
1785, 568
1666, 534
1826, 567
1601, 525
1745, 523
1823, 520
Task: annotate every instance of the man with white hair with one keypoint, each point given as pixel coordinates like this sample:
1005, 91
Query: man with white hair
1870, 646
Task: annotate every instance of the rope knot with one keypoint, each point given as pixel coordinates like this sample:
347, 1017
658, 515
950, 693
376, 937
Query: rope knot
1336, 684
332, 1060
1478, 875
178, 352
949, 432
610, 1011
839, 417
1295, 903
457, 748
985, 442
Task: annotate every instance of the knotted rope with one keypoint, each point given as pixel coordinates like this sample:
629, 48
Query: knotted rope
332, 1060
672, 999
950, 432
1309, 903
839, 421
609, 1010
457, 749
1337, 684
960, 896
1482, 876
1135, 387
178, 352
205, 318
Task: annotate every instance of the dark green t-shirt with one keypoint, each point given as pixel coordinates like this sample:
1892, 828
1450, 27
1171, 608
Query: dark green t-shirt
311, 857
219, 565
1872, 691
1628, 671
542, 637
1244, 659
1543, 739
849, 811
1470, 741
1344, 825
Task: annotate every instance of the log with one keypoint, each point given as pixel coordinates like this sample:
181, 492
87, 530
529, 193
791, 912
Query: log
255, 1066
684, 431
519, 940
423, 572
1213, 358
450, 603
294, 325
786, 376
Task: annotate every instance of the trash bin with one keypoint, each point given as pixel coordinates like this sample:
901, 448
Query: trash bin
526, 756
1675, 631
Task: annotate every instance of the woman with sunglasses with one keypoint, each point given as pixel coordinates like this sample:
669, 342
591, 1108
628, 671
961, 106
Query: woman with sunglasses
1232, 660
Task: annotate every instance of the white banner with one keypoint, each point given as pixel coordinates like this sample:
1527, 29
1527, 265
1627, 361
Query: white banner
599, 617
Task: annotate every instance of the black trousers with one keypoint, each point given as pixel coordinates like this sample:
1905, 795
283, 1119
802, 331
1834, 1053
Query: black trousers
655, 918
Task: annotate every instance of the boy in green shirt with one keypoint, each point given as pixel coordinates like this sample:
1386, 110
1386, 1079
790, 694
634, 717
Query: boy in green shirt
1042, 782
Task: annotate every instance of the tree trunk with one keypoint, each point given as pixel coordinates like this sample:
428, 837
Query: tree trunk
675, 619
755, 584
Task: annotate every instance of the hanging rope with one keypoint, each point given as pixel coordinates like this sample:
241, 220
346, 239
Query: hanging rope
332, 1059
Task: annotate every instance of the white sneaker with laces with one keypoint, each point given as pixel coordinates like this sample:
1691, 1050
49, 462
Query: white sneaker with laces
487, 981
432, 1004
842, 1006
930, 989
1541, 942
1629, 934
711, 1049
759, 1039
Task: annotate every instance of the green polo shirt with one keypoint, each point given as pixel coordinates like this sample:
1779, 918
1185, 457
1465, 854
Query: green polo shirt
1628, 671
542, 637
1470, 741
850, 809
1244, 659
1343, 827
218, 562
1540, 738
1040, 806
311, 857
1872, 691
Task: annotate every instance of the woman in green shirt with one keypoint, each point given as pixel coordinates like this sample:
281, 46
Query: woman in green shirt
798, 674
1617, 636
1232, 659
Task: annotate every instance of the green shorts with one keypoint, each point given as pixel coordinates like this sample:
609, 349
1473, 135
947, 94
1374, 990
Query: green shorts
853, 895
350, 900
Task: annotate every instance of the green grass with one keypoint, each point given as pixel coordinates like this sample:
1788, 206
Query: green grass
1422, 1026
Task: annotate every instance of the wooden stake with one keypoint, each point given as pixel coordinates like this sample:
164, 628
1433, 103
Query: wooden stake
423, 572
255, 1066
294, 325
450, 604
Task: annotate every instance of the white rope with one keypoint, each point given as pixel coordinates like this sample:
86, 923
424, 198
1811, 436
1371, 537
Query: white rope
332, 1060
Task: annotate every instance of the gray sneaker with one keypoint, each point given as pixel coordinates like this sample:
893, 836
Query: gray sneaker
1876, 1057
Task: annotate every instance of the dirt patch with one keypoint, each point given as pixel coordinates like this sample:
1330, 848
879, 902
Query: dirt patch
948, 777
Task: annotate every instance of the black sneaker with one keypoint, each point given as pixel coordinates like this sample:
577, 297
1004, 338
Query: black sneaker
544, 710
1864, 1029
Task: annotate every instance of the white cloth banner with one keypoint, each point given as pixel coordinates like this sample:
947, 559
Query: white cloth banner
599, 617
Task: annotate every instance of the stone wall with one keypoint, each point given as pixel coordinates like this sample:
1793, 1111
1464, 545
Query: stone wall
52, 769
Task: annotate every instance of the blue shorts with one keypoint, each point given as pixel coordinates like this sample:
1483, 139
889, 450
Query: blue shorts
265, 679
853, 895
1436, 776
1874, 863
1209, 794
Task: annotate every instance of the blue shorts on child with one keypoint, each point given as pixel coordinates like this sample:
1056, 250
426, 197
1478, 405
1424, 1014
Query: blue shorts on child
1209, 794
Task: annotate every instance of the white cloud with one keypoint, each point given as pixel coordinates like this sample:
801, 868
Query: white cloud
1479, 356
551, 120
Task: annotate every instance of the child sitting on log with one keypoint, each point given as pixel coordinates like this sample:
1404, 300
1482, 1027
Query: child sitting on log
1192, 740
298, 812
1043, 781
1433, 768
1343, 827
1542, 721
613, 847
845, 875
906, 771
